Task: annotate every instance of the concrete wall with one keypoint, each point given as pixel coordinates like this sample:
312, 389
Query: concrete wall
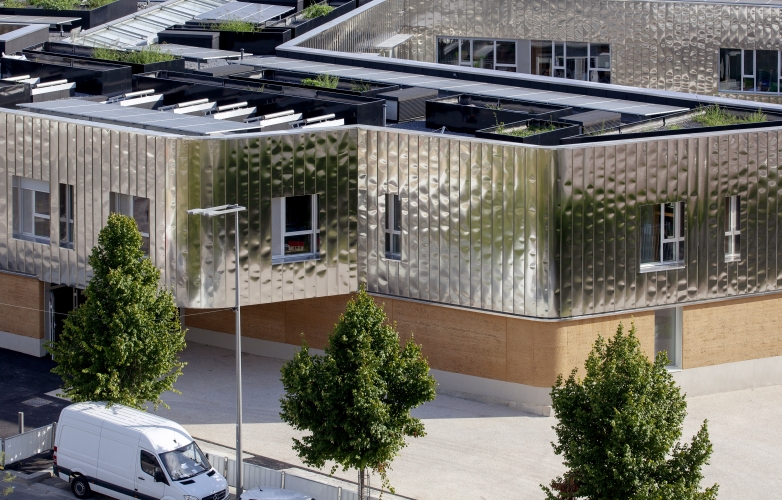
531, 353
21, 314
731, 331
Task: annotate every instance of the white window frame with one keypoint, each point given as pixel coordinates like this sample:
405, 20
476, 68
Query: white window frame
279, 234
563, 67
390, 232
19, 185
67, 240
743, 69
468, 64
678, 260
732, 229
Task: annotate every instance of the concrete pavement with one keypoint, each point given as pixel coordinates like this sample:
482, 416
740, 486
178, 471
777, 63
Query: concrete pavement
473, 450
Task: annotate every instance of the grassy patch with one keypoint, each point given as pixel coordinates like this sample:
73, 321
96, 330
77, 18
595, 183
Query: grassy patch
56, 4
715, 116
322, 81
496, 107
317, 10
524, 132
358, 86
94, 4
15, 4
237, 26
147, 55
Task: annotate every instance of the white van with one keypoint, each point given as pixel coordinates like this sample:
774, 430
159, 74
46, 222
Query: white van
118, 451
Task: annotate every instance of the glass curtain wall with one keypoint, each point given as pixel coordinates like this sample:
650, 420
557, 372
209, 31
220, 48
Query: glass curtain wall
749, 70
475, 53
573, 60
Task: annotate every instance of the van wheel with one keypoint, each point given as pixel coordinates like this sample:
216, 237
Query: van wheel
80, 487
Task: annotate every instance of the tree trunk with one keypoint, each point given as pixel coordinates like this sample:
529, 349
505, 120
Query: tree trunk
363, 485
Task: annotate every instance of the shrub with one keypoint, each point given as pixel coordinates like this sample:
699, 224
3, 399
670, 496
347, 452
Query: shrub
56, 4
715, 116
323, 81
359, 86
317, 10
15, 4
237, 26
147, 55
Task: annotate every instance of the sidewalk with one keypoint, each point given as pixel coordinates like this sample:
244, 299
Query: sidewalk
472, 450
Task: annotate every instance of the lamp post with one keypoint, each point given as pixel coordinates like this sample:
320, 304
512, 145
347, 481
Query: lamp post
212, 212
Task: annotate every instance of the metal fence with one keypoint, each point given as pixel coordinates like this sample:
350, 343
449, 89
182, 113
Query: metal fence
256, 476
27, 444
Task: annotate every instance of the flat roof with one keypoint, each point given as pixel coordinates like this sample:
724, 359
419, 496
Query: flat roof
252, 12
476, 88
138, 117
199, 54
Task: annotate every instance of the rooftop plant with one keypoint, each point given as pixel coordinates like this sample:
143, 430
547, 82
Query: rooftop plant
324, 81
55, 4
147, 55
526, 131
359, 86
317, 10
715, 116
237, 26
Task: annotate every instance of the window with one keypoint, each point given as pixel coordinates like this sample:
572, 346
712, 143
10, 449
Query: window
487, 54
662, 235
393, 227
66, 216
295, 228
136, 207
31, 210
185, 462
668, 334
573, 60
749, 70
149, 463
732, 230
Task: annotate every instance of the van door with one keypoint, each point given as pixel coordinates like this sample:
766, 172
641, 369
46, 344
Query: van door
115, 468
150, 480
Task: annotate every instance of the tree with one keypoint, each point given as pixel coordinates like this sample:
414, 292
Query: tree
356, 399
617, 428
121, 346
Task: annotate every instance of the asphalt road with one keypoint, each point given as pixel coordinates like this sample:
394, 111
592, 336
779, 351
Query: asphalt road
24, 378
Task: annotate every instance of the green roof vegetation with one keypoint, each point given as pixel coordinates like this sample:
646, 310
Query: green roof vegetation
715, 116
526, 131
237, 26
323, 81
317, 10
147, 55
55, 4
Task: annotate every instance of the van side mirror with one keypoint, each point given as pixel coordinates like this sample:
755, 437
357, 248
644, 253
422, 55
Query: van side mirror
159, 476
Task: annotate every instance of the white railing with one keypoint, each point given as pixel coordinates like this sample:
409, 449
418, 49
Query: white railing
256, 476
27, 444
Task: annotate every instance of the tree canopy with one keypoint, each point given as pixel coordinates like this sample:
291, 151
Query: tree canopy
356, 399
121, 345
619, 429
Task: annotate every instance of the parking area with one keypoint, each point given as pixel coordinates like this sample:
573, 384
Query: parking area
24, 383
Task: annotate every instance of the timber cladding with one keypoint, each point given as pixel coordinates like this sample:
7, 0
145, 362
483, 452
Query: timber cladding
455, 340
21, 305
730, 331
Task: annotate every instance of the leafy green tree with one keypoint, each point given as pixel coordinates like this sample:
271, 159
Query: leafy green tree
619, 429
121, 346
356, 400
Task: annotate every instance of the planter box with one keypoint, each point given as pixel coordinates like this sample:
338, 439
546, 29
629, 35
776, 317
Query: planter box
191, 38
85, 53
90, 77
550, 138
468, 114
89, 18
302, 26
259, 44
293, 78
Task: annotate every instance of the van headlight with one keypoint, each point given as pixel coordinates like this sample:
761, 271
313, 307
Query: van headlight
191, 497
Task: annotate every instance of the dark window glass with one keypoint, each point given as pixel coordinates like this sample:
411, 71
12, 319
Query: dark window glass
66, 216
506, 53
749, 71
149, 463
298, 213
483, 54
665, 331
465, 58
541, 58
576, 67
730, 69
448, 51
298, 244
397, 213
600, 56
767, 71
650, 234
559, 54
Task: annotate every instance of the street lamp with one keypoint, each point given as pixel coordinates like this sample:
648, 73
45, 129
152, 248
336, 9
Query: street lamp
212, 212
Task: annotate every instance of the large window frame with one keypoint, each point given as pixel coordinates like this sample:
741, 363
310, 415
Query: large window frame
283, 249
466, 48
732, 229
662, 242
136, 207
668, 335
592, 66
31, 210
393, 229
755, 75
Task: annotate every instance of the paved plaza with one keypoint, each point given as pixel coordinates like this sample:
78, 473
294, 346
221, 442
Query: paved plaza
472, 450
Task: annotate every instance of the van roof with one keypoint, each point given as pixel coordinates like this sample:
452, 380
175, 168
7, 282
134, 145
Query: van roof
161, 433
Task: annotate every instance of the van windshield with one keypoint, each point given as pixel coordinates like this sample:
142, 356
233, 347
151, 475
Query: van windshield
185, 462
